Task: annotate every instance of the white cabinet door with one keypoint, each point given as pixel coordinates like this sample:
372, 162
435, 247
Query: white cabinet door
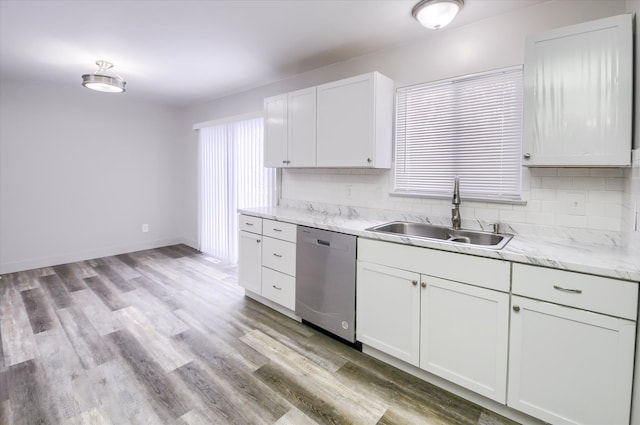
388, 310
464, 335
578, 95
354, 122
250, 262
569, 366
275, 131
302, 128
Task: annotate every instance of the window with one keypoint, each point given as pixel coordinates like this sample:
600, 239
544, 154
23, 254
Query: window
231, 176
470, 127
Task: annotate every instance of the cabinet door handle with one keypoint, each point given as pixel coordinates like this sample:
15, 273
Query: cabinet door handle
573, 291
516, 308
423, 284
257, 240
277, 255
414, 282
276, 287
527, 155
369, 160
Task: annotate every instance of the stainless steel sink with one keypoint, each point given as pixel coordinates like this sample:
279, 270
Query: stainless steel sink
444, 234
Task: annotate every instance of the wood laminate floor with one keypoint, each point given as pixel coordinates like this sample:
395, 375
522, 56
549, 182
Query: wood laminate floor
166, 336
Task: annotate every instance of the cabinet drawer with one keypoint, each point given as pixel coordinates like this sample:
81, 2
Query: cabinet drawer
279, 288
279, 230
478, 271
600, 294
279, 255
250, 224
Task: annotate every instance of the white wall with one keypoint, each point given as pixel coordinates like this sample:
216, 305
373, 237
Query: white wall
80, 171
488, 44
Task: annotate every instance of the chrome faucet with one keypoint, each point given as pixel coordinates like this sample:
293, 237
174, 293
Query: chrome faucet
455, 211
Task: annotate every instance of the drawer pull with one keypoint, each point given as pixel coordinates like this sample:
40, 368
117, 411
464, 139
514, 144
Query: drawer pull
573, 291
277, 287
277, 230
277, 255
248, 224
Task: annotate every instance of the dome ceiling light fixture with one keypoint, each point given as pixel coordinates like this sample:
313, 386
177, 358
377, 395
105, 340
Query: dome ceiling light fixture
436, 14
104, 79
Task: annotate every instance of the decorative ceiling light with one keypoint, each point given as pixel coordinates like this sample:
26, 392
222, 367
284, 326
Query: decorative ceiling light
104, 79
436, 14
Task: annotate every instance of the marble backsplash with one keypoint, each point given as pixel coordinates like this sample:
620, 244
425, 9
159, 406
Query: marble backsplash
550, 233
609, 216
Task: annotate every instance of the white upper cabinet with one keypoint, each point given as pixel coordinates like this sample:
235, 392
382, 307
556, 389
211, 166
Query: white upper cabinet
302, 128
290, 129
275, 131
578, 95
355, 117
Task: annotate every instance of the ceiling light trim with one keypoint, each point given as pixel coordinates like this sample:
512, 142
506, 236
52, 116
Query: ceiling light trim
436, 14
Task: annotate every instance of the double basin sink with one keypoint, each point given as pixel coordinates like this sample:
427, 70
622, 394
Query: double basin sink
444, 234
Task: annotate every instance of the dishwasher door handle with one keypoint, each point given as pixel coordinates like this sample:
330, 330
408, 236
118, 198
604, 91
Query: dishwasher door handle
325, 243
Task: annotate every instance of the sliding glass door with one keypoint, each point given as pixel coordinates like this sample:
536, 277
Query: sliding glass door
231, 176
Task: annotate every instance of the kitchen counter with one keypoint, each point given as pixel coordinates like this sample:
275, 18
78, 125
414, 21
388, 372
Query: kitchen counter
574, 256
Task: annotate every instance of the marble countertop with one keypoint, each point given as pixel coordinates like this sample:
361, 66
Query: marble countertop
594, 259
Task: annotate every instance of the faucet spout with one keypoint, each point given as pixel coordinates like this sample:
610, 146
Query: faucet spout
456, 220
456, 191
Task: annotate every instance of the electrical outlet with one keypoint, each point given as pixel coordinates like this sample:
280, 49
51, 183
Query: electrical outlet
575, 203
347, 191
145, 228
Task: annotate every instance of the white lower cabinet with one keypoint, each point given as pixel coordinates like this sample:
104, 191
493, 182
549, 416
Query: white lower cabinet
279, 255
267, 259
279, 288
557, 345
250, 261
451, 329
388, 310
570, 366
464, 335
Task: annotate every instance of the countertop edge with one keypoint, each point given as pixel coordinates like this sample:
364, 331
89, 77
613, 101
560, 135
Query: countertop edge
520, 249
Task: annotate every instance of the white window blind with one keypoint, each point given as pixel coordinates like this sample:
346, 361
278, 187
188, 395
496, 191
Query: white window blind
469, 127
231, 176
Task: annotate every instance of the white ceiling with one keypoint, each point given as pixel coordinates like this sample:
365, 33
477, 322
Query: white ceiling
184, 51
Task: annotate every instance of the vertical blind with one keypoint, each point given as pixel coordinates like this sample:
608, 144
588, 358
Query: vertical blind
469, 127
231, 176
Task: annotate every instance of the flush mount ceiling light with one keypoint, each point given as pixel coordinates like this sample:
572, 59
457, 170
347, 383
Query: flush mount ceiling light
104, 79
436, 14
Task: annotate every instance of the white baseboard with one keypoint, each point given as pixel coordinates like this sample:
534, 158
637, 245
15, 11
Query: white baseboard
35, 263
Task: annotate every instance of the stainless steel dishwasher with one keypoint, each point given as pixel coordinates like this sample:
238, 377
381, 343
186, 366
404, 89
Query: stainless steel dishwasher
326, 280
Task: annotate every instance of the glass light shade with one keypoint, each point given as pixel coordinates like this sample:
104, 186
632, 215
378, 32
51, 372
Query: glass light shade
103, 83
436, 14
